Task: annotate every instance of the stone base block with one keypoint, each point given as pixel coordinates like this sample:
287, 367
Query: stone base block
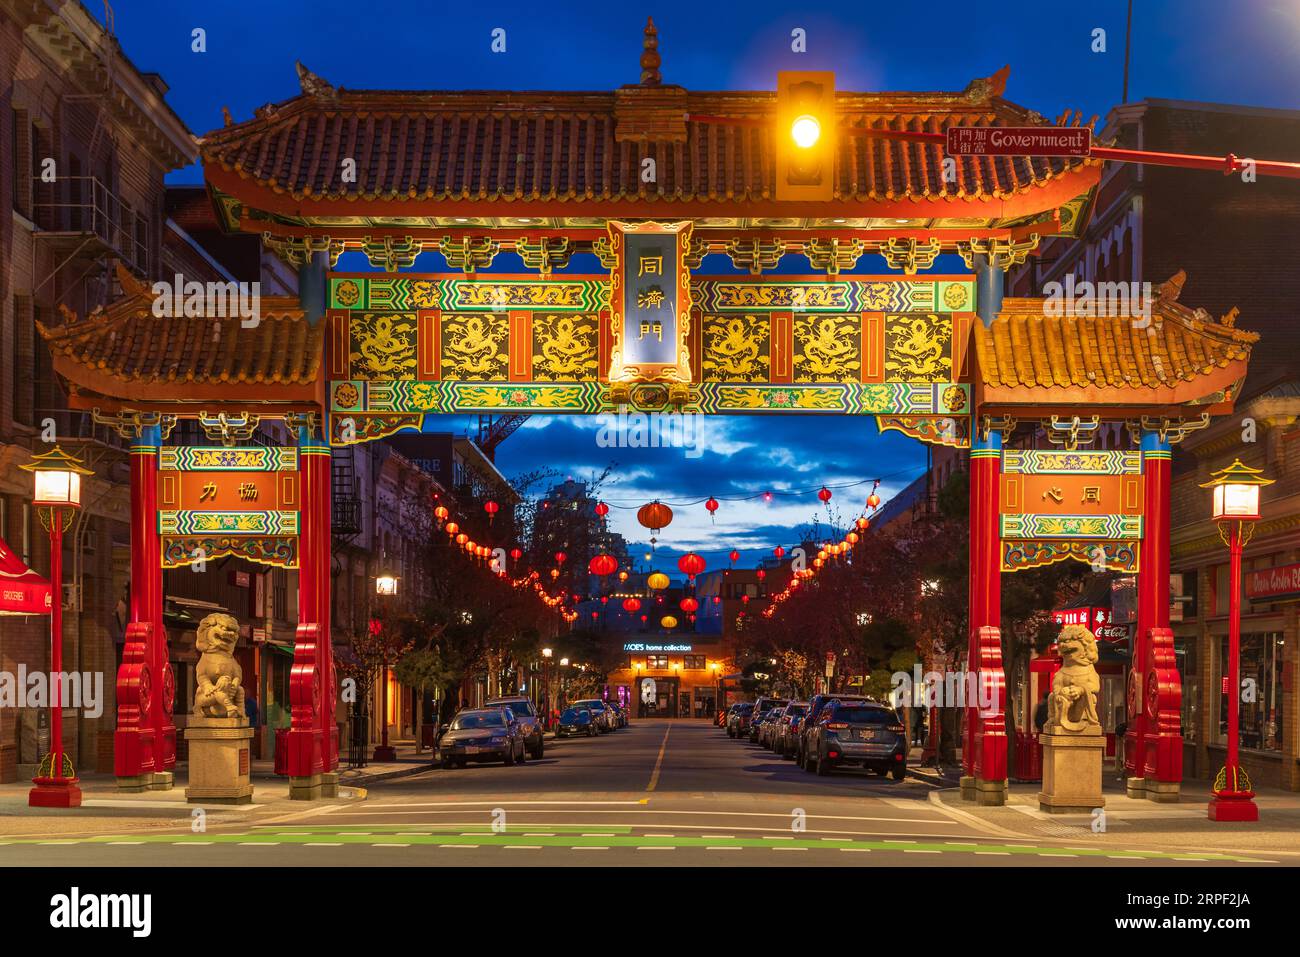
967, 788
990, 793
136, 783
1163, 792
1136, 788
1072, 773
220, 761
162, 781
306, 788
329, 784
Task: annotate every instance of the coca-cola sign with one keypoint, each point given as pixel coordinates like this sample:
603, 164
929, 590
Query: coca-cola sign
1280, 583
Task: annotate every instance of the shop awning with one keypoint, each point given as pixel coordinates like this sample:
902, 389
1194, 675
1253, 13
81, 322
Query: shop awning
22, 591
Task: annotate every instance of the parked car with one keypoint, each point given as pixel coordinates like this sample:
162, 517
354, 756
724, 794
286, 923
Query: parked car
866, 732
482, 734
764, 705
575, 721
530, 724
620, 713
767, 729
600, 711
787, 729
809, 722
738, 719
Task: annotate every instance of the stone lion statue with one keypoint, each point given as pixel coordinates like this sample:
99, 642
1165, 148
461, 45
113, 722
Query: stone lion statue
220, 692
1072, 703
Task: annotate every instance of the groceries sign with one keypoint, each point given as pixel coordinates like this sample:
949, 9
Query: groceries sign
1280, 583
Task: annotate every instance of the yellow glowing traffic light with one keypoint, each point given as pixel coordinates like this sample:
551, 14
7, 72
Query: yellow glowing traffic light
805, 135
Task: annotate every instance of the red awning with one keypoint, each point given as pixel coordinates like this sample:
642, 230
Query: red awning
22, 591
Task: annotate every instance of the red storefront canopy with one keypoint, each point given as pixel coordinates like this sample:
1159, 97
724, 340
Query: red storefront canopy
22, 591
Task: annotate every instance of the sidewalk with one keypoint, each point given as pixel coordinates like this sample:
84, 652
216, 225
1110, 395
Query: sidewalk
406, 763
1131, 822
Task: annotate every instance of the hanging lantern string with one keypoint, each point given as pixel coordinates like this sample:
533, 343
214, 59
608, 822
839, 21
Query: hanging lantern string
802, 490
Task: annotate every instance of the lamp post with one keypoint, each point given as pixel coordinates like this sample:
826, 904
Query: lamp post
57, 500
1236, 509
546, 684
385, 588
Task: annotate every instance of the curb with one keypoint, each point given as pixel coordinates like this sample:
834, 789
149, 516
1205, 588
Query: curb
361, 780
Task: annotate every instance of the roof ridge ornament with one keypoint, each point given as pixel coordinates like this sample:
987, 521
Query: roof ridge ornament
1171, 288
313, 85
650, 59
985, 88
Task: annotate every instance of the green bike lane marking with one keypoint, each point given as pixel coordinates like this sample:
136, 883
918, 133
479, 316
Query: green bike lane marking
515, 835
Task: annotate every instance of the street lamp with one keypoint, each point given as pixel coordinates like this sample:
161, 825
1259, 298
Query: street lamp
385, 587
57, 500
1236, 509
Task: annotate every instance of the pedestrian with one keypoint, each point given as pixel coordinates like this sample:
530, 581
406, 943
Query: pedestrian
1040, 715
250, 709
918, 724
1120, 731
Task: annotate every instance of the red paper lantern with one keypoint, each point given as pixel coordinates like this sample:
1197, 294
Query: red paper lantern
734, 556
760, 574
516, 553
452, 528
491, 508
601, 509
603, 565
824, 494
595, 615
654, 516
441, 513
712, 506
864, 523
688, 604
631, 604
767, 497
643, 619
779, 552
604, 599
744, 599
560, 557
717, 599
691, 564
873, 500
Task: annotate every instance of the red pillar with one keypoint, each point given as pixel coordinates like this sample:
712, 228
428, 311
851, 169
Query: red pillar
313, 737
144, 744
1154, 745
984, 750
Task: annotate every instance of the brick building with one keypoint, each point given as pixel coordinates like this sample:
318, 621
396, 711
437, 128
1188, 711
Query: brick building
1236, 241
85, 141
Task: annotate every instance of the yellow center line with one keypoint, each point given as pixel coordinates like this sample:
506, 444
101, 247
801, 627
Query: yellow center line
654, 776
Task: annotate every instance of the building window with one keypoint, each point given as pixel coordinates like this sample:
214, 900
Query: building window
20, 138
693, 662
656, 662
1262, 698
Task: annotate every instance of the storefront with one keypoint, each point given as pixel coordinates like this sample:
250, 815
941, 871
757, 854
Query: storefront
668, 679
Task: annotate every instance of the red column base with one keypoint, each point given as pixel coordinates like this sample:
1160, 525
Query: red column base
54, 792
1234, 806
384, 752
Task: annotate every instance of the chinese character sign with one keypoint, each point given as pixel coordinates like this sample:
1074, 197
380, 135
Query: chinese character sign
650, 302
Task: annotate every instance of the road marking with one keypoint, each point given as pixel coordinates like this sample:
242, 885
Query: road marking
724, 848
857, 850
1125, 857
58, 842
789, 848
721, 837
970, 820
1045, 854
658, 835
590, 848
390, 845
373, 807
251, 843
962, 843
992, 853
654, 775
539, 834
322, 844
913, 850
459, 845
656, 848
119, 843
523, 847
585, 834
194, 843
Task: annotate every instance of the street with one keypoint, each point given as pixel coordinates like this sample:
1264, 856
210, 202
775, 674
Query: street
659, 792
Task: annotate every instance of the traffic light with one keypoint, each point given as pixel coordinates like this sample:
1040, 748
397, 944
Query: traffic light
805, 135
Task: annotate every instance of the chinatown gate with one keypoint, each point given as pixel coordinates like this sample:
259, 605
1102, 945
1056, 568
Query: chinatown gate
650, 179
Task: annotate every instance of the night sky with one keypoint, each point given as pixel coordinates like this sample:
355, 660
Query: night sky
1239, 52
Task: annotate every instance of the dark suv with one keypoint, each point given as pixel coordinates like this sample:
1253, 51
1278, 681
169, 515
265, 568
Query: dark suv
761, 707
865, 732
530, 725
809, 724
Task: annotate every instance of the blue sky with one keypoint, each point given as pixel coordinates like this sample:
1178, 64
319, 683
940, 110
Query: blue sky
1238, 52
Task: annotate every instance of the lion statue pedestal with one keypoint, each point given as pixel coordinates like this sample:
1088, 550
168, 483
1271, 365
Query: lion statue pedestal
1073, 745
219, 737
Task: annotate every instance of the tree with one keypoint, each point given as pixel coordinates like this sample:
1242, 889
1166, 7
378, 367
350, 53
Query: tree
419, 670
